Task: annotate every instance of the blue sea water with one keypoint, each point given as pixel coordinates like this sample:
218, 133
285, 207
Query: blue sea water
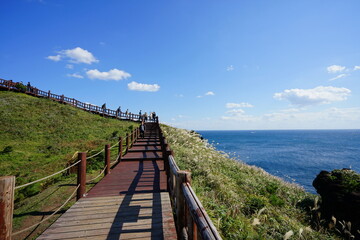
294, 155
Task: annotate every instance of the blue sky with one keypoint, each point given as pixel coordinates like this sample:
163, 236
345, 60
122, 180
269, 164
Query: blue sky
197, 64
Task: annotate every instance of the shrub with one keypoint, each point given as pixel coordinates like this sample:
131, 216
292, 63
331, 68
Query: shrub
7, 149
21, 87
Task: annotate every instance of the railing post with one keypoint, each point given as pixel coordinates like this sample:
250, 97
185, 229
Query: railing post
132, 138
120, 147
127, 142
166, 155
81, 177
7, 186
181, 219
107, 159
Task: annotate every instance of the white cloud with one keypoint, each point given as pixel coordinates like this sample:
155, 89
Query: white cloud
339, 76
209, 93
69, 66
321, 119
241, 118
335, 68
75, 55
230, 68
318, 95
239, 105
54, 58
235, 112
331, 118
291, 110
79, 55
75, 75
356, 68
134, 86
179, 95
113, 74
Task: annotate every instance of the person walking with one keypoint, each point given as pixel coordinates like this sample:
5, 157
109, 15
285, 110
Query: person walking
28, 87
145, 116
142, 129
118, 111
103, 107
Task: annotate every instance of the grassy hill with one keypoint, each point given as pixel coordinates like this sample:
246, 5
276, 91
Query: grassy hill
244, 202
39, 137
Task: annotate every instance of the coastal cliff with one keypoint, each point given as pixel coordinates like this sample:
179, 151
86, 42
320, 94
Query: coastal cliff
340, 200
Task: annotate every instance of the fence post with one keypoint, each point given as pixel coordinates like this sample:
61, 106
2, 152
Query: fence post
10, 84
120, 148
107, 159
7, 187
132, 138
81, 177
166, 155
181, 220
127, 142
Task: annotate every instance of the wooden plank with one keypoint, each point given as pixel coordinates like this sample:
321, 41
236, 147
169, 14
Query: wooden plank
98, 209
111, 219
110, 236
117, 203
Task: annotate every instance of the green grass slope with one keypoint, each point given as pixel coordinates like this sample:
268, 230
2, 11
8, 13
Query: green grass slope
243, 201
40, 136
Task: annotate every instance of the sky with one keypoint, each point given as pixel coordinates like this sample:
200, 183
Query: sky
202, 65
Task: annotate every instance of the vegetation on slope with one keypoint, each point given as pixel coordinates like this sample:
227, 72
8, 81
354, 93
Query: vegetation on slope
39, 137
243, 201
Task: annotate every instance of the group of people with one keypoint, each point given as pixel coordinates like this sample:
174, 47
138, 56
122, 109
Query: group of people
146, 117
142, 117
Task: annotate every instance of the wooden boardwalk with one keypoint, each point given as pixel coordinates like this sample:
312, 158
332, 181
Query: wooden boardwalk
131, 202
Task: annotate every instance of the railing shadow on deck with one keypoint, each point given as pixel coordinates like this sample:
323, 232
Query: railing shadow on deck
129, 212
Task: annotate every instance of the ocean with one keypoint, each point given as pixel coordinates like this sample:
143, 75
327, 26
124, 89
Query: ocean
293, 155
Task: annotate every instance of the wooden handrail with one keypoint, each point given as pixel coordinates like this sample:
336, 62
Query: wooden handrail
204, 224
192, 221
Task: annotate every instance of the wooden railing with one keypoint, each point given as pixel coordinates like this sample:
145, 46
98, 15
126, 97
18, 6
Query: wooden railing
8, 188
19, 87
191, 219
